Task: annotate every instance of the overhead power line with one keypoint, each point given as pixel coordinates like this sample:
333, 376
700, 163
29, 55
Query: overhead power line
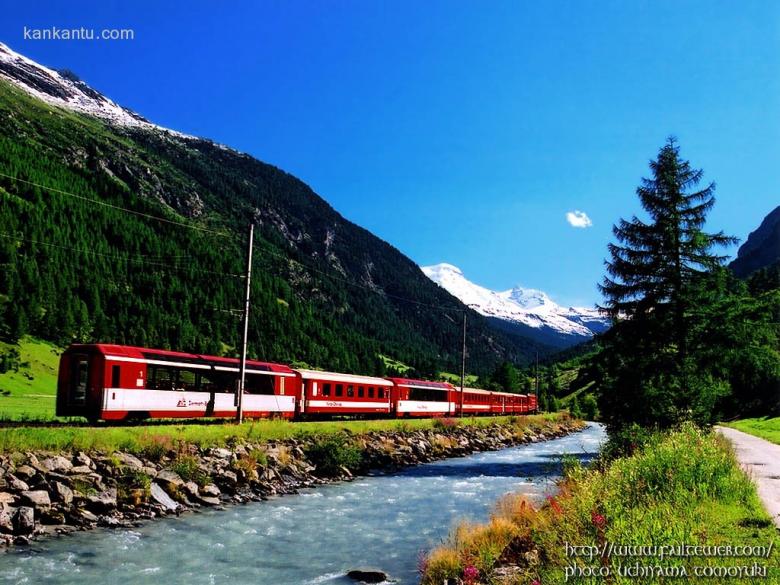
118, 207
140, 259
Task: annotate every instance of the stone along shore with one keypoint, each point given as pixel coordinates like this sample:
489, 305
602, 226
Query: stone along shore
45, 494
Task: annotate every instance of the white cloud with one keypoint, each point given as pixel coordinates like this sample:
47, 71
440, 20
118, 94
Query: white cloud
578, 219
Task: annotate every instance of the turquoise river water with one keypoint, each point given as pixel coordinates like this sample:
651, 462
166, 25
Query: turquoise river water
384, 521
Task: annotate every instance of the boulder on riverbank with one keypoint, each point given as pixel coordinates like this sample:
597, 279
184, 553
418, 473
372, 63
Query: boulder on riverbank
367, 575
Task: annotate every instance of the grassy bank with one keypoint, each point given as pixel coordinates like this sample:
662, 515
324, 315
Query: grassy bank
765, 427
683, 487
136, 439
28, 386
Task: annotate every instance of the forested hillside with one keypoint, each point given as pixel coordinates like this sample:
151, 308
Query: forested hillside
325, 291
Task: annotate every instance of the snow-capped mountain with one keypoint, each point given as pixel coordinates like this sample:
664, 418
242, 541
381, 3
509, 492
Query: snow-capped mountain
61, 88
532, 310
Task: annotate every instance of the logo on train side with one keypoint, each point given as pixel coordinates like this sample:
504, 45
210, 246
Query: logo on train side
332, 403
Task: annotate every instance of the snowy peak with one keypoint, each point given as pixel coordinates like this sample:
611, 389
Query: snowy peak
63, 89
528, 298
530, 308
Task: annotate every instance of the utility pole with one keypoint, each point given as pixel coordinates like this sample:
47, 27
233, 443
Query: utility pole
536, 385
463, 365
242, 375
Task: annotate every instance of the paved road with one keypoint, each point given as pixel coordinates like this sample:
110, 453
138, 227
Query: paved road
761, 460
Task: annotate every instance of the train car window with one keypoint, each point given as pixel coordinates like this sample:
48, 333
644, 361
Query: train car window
187, 380
361, 391
162, 378
350, 391
370, 391
427, 395
260, 384
115, 376
380, 392
326, 389
220, 382
339, 390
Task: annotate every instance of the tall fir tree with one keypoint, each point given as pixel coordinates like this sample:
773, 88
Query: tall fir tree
649, 362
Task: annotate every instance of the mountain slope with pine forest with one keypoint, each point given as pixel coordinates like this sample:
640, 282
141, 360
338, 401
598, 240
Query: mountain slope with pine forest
325, 292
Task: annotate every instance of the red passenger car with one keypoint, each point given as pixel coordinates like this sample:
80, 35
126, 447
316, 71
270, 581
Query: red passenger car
423, 398
115, 382
330, 393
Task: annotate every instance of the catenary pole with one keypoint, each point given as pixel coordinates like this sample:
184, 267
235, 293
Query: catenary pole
463, 365
242, 375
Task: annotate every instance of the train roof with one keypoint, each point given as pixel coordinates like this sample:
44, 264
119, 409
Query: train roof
427, 384
179, 358
346, 378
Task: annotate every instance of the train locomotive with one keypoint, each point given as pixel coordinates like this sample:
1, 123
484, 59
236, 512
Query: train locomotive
119, 383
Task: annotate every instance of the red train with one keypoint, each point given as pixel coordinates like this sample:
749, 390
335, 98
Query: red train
117, 382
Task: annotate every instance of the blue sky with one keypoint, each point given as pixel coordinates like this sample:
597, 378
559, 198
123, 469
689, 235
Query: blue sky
457, 131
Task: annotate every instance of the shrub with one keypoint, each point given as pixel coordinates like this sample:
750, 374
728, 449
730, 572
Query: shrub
332, 452
133, 485
245, 466
441, 565
155, 447
187, 467
589, 407
445, 423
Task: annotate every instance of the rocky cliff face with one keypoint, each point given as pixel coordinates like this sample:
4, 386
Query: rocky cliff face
762, 247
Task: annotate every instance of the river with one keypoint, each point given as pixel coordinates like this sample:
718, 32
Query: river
384, 521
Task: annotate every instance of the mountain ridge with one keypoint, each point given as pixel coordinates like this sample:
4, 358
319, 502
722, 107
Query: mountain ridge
761, 249
526, 310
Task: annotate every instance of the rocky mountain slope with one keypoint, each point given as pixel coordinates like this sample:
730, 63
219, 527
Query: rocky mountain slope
762, 247
523, 310
325, 291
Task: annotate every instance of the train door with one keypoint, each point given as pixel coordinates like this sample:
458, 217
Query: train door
79, 380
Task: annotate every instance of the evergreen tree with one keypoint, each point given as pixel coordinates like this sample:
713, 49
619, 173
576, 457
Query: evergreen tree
506, 377
649, 362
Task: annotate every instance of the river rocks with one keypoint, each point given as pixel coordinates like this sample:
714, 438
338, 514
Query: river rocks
62, 493
161, 497
24, 520
57, 464
170, 481
17, 485
102, 502
129, 460
24, 472
53, 493
38, 499
82, 459
210, 490
6, 522
367, 575
191, 489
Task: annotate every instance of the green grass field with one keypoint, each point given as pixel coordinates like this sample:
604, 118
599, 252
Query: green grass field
28, 393
765, 427
136, 439
454, 379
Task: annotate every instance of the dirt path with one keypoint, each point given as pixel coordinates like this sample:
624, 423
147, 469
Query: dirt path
761, 460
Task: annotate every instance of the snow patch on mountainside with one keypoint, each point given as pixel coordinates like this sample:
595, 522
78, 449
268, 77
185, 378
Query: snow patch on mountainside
527, 306
64, 90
